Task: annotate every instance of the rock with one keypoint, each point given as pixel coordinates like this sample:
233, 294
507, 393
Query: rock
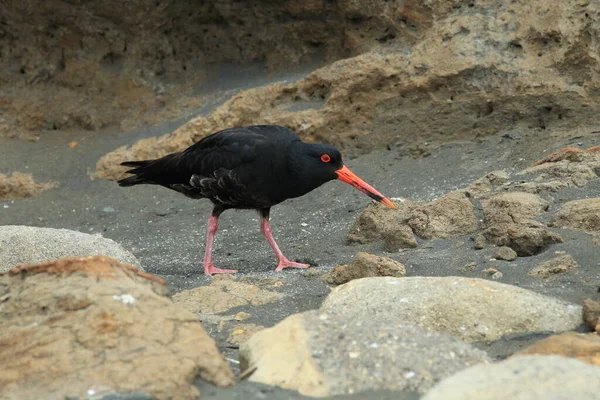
582, 215
475, 310
524, 240
487, 183
323, 354
222, 294
21, 185
364, 265
93, 325
522, 378
32, 245
512, 207
556, 266
584, 347
591, 314
241, 332
505, 253
489, 271
479, 242
452, 215
382, 223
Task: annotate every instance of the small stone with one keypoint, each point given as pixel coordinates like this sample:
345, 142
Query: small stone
489, 271
108, 209
480, 242
505, 253
241, 316
497, 275
468, 268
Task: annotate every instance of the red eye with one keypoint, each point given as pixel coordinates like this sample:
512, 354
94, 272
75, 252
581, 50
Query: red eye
325, 158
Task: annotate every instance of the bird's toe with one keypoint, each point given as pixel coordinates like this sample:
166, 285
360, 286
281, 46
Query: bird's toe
289, 264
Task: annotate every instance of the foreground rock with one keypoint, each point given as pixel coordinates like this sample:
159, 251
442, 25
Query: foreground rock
584, 347
474, 310
21, 185
93, 326
32, 245
522, 378
583, 215
324, 353
364, 265
591, 314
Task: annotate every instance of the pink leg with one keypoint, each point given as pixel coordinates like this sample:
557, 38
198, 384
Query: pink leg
283, 262
209, 268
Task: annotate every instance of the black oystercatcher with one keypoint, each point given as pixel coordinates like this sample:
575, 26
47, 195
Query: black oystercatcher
253, 167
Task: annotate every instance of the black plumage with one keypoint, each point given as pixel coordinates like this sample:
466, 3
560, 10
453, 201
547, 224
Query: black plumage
253, 167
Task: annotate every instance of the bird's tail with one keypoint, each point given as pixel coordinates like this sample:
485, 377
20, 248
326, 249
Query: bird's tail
138, 178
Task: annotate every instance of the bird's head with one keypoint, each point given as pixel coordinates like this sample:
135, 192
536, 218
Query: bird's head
325, 164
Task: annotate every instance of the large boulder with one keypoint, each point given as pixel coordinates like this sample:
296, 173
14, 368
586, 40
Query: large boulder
474, 310
323, 353
88, 327
31, 245
522, 378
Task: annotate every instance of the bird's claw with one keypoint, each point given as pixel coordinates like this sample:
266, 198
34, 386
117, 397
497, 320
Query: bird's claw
285, 263
211, 269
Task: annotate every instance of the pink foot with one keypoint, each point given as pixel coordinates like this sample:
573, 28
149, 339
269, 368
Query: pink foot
211, 269
285, 263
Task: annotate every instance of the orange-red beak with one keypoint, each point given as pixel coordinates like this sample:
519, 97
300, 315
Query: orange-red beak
345, 175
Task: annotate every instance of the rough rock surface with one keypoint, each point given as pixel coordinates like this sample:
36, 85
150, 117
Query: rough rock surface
382, 223
451, 215
79, 327
579, 214
584, 347
323, 353
556, 266
525, 240
364, 265
512, 207
474, 310
31, 245
20, 185
222, 294
522, 378
525, 64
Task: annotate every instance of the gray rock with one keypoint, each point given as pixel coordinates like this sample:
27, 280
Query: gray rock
505, 253
33, 245
474, 310
522, 378
324, 353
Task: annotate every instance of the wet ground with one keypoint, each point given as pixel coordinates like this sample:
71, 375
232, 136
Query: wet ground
166, 231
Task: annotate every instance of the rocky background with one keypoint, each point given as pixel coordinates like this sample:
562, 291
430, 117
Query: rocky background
478, 118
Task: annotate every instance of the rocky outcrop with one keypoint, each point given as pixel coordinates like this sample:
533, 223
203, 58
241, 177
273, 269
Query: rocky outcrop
522, 378
526, 63
474, 310
32, 245
21, 185
94, 327
582, 215
323, 353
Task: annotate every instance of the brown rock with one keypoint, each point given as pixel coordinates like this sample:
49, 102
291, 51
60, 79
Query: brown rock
364, 265
584, 347
487, 183
505, 253
556, 266
512, 207
524, 240
582, 215
222, 294
241, 332
452, 215
591, 314
21, 185
93, 326
479, 242
381, 223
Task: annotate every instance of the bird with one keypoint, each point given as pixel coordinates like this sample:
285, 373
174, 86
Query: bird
247, 167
